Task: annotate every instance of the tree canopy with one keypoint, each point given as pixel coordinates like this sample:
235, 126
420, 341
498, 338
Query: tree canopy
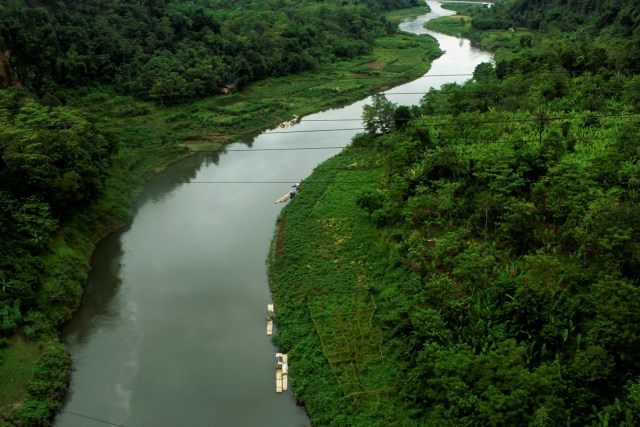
498, 248
74, 77
176, 51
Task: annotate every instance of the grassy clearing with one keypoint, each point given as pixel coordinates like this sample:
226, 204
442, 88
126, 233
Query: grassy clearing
17, 359
321, 275
460, 26
396, 16
455, 25
152, 136
264, 104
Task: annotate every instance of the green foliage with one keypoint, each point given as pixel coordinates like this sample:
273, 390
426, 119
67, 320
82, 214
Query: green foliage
370, 201
50, 377
175, 52
482, 270
52, 153
72, 162
54, 160
17, 359
492, 280
498, 243
379, 116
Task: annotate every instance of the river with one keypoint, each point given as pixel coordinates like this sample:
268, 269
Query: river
172, 330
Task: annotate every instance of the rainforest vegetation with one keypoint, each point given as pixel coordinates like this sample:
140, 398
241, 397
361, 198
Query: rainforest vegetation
476, 264
176, 51
97, 95
474, 260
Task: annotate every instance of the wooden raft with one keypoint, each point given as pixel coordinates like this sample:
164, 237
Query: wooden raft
283, 198
270, 315
287, 196
282, 375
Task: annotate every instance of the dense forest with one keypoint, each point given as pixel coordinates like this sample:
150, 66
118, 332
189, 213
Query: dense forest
470, 261
68, 176
475, 260
176, 51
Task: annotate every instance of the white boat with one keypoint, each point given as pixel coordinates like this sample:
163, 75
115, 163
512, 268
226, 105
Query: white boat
270, 315
287, 196
282, 372
284, 198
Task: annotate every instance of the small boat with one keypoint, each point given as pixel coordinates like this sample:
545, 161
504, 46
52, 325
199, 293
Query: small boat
282, 372
270, 315
287, 196
294, 120
284, 198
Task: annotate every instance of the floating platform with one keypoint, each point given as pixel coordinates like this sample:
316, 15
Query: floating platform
294, 120
282, 372
270, 315
287, 196
283, 198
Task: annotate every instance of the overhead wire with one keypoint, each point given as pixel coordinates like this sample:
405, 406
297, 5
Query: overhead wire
340, 181
223, 150
532, 119
407, 78
575, 72
321, 92
92, 418
335, 147
516, 91
458, 122
270, 182
465, 122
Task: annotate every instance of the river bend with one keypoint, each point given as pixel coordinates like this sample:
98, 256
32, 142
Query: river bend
171, 330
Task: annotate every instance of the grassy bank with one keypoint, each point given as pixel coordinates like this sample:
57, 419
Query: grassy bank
396, 16
323, 264
460, 25
264, 104
17, 356
34, 377
149, 137
474, 293
421, 312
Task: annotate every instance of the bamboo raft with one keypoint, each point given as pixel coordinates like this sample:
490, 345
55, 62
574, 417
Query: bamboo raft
287, 196
283, 198
294, 120
270, 315
282, 372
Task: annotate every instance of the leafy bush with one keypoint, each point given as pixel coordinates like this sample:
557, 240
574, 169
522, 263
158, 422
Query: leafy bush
46, 389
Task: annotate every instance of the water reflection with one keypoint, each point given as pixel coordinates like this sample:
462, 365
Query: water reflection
179, 173
102, 287
172, 328
105, 313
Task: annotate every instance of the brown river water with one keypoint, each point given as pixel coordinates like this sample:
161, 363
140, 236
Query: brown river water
172, 330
